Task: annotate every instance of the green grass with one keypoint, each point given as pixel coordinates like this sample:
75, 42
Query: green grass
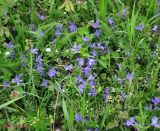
39, 108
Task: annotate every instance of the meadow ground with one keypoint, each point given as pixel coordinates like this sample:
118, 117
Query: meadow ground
80, 65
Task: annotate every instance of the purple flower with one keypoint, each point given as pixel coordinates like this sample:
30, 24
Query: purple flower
92, 83
97, 33
79, 79
39, 65
100, 46
91, 62
41, 17
107, 90
81, 87
78, 118
158, 2
68, 67
94, 53
86, 70
40, 70
124, 12
139, 27
91, 77
130, 122
155, 101
155, 122
75, 48
110, 21
81, 61
72, 27
12, 54
9, 45
129, 76
58, 30
92, 92
17, 79
155, 28
123, 96
52, 73
38, 59
45, 83
96, 24
92, 45
59, 27
85, 38
119, 66
96, 129
34, 51
5, 84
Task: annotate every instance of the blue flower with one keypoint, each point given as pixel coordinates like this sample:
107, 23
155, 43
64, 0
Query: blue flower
41, 17
52, 73
34, 51
139, 27
91, 62
40, 70
92, 92
155, 101
45, 83
85, 38
110, 21
9, 45
81, 87
17, 79
38, 59
86, 70
129, 76
68, 67
155, 122
97, 33
58, 30
130, 122
79, 79
12, 54
124, 12
107, 90
91, 77
94, 53
92, 45
106, 93
5, 84
119, 66
155, 28
96, 24
123, 96
72, 27
81, 61
78, 118
75, 48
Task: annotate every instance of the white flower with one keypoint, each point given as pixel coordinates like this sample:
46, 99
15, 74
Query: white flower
67, 50
7, 53
48, 50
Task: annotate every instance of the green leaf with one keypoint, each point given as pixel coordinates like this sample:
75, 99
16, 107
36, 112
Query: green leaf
102, 63
10, 102
5, 5
66, 115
